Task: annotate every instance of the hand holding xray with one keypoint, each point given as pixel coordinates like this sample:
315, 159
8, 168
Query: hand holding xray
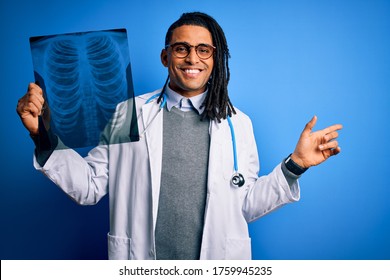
31, 106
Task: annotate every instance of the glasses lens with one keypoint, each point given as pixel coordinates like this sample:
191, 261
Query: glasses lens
204, 51
180, 50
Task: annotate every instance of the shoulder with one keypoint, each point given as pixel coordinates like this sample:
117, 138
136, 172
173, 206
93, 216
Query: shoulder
242, 125
241, 117
144, 98
139, 100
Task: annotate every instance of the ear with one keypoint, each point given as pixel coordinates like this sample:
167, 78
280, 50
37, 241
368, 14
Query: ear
164, 57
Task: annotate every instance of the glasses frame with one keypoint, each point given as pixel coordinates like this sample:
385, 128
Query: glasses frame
188, 48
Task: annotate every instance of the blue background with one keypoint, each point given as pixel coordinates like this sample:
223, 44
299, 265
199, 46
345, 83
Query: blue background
290, 60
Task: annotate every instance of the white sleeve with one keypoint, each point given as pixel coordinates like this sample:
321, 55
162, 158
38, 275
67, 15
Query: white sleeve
85, 180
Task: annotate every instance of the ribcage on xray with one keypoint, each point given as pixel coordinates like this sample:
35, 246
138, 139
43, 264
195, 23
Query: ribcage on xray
85, 80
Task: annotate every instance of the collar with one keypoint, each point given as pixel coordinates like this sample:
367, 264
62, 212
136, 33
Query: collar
174, 99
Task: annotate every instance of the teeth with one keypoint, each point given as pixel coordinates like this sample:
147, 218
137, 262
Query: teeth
192, 71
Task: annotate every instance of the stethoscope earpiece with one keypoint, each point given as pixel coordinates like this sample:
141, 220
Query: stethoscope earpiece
238, 180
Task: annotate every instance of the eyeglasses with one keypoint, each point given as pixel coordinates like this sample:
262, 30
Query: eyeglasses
182, 50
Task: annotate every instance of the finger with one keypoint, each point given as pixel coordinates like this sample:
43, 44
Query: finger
30, 97
328, 146
30, 103
35, 90
22, 103
37, 102
19, 106
29, 108
36, 98
330, 136
332, 128
336, 151
34, 87
35, 111
332, 152
34, 94
309, 126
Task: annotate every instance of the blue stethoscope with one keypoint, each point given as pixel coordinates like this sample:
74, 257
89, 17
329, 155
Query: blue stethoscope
237, 179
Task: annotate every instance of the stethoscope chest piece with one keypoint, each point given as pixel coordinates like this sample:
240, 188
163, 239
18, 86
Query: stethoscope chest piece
237, 180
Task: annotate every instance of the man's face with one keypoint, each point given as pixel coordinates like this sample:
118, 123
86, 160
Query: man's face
189, 75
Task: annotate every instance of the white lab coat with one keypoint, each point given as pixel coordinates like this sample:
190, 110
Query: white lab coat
131, 172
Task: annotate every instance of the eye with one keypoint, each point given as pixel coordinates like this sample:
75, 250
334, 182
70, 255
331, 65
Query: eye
182, 49
204, 49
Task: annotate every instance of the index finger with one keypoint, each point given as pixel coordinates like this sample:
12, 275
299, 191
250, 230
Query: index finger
32, 87
35, 90
332, 128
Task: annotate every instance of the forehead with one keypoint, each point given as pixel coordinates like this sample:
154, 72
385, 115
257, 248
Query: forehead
191, 34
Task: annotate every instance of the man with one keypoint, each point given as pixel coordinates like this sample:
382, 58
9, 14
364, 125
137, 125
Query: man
171, 194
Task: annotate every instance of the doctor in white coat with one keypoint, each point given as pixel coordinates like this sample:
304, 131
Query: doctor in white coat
131, 172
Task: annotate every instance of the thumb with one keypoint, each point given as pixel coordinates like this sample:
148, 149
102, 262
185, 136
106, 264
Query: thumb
309, 126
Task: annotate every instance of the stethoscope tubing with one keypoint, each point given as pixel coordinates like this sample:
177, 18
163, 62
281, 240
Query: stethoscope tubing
233, 143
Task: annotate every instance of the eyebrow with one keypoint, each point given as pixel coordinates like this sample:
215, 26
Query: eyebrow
186, 43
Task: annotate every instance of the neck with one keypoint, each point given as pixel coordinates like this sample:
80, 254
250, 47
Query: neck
187, 93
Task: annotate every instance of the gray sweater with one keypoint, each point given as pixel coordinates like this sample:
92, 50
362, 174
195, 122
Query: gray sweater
183, 190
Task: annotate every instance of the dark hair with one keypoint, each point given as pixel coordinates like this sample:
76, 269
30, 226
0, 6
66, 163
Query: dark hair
217, 104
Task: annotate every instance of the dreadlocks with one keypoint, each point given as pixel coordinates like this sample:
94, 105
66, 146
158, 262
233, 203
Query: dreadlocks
217, 104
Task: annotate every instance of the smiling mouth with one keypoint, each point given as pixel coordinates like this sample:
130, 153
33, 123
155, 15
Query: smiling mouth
191, 71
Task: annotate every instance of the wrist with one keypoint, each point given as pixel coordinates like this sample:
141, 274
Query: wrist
297, 160
293, 166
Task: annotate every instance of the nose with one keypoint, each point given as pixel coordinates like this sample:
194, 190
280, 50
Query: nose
192, 57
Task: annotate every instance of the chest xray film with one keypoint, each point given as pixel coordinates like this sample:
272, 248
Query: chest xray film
84, 76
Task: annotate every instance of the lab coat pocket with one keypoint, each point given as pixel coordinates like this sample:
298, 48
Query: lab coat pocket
118, 247
238, 249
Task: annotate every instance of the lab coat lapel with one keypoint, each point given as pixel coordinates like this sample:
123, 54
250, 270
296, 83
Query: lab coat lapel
217, 145
154, 139
221, 162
